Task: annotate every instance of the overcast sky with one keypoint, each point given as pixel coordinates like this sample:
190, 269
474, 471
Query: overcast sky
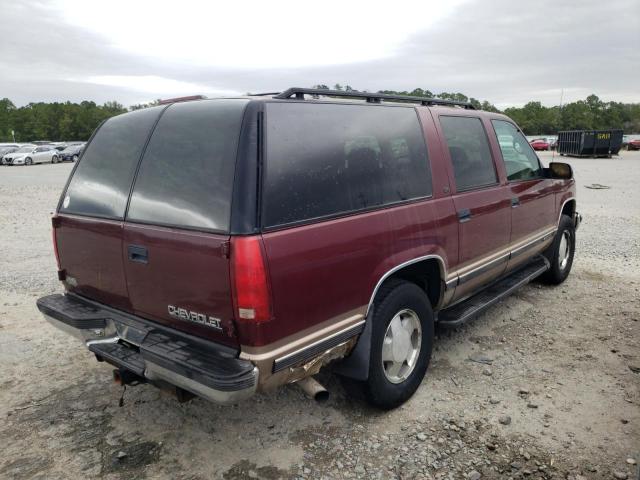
134, 51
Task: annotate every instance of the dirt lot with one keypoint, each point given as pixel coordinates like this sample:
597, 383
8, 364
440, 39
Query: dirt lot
545, 385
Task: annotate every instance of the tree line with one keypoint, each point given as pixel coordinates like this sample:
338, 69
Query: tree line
536, 119
59, 121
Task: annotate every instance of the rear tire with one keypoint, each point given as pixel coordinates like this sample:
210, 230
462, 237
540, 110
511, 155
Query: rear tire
560, 253
400, 353
54, 159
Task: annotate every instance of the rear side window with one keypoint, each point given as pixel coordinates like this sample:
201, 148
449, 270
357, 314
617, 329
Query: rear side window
470, 153
520, 160
101, 183
327, 159
186, 174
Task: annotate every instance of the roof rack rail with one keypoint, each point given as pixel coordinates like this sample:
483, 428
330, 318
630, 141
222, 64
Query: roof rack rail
181, 99
299, 94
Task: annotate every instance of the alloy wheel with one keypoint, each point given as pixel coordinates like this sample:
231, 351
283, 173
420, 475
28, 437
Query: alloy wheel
401, 346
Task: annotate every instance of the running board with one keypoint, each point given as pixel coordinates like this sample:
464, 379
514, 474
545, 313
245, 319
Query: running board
478, 303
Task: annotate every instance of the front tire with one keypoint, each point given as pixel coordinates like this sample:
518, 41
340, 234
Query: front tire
74, 158
401, 343
560, 253
28, 161
54, 159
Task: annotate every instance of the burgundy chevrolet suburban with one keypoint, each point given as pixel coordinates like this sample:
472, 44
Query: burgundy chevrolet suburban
226, 246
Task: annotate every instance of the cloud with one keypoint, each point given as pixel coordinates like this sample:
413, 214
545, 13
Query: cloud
497, 50
255, 35
152, 84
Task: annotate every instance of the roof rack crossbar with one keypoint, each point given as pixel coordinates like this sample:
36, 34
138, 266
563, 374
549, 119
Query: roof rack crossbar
299, 94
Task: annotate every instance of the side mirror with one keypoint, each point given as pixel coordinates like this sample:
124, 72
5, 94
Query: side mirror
561, 171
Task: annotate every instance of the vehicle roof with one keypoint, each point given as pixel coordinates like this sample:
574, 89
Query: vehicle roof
271, 97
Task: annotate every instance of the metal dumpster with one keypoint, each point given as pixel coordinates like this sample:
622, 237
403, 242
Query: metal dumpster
589, 143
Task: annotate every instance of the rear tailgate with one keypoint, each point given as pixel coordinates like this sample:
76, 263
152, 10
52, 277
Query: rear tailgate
176, 236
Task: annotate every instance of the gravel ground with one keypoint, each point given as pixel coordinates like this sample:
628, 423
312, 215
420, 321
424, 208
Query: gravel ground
544, 385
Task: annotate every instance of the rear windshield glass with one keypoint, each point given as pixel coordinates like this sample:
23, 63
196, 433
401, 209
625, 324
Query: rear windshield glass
101, 183
327, 159
186, 174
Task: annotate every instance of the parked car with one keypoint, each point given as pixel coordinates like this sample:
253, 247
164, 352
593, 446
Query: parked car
71, 153
6, 149
633, 144
266, 237
540, 144
7, 159
30, 154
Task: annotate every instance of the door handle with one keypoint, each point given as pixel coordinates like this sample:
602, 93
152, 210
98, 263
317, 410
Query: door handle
464, 215
515, 202
138, 254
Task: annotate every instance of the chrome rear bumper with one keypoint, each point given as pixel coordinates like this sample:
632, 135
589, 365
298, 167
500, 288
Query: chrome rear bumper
153, 353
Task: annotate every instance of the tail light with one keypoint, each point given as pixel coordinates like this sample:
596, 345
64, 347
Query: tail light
251, 289
55, 222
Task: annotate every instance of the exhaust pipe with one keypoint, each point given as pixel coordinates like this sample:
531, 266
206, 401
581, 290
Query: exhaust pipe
313, 389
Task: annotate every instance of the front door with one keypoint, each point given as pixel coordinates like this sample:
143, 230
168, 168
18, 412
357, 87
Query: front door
533, 219
481, 202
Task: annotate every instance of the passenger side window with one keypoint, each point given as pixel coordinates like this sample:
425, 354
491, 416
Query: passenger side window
520, 160
470, 153
327, 159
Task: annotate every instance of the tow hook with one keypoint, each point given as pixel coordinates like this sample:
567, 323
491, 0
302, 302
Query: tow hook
313, 389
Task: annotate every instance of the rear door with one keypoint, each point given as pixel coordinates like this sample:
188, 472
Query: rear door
88, 225
176, 231
533, 218
481, 202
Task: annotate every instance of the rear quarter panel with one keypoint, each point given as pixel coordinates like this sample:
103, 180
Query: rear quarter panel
328, 270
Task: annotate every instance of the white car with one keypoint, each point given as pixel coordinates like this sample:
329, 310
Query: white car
30, 154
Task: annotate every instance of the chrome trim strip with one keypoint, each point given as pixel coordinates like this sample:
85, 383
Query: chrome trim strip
443, 274
351, 331
451, 283
523, 248
465, 277
483, 268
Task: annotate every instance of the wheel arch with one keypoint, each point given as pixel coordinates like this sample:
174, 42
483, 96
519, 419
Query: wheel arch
568, 208
419, 271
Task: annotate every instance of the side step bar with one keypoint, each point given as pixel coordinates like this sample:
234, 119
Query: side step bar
458, 314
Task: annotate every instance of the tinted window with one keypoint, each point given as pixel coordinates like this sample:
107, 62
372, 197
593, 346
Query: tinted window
519, 158
326, 159
186, 174
101, 183
470, 154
